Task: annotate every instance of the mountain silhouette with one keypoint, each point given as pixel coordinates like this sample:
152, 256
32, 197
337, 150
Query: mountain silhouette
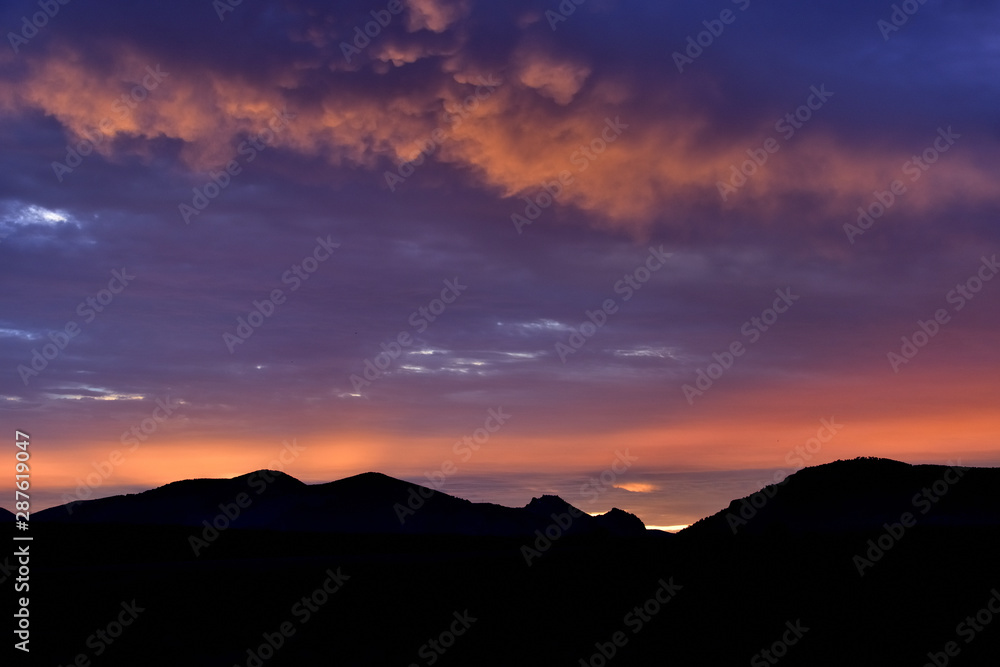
371, 570
6, 515
860, 495
371, 503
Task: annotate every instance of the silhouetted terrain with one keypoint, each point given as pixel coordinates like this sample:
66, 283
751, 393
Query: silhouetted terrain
862, 494
366, 503
445, 590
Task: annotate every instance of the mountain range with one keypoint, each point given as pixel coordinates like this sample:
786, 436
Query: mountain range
369, 503
861, 562
859, 494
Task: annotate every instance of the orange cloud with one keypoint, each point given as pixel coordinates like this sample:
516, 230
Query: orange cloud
435, 15
514, 140
557, 79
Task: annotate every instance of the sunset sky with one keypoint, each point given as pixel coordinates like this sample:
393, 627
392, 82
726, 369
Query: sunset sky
469, 190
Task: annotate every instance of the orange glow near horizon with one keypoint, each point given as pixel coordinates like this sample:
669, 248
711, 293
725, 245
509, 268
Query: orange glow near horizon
740, 442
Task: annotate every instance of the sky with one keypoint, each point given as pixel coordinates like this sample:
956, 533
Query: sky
651, 255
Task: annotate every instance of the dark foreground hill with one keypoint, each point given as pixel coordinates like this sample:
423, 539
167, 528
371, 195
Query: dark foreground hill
862, 494
370, 503
783, 590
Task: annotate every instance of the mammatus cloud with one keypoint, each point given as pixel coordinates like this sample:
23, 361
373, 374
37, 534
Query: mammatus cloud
556, 80
666, 157
435, 15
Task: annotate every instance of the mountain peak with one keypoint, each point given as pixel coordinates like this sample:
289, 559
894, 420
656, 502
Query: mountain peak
866, 462
620, 522
269, 475
548, 504
859, 494
372, 477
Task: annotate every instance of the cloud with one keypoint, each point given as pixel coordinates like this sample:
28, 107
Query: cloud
636, 487
684, 134
557, 80
435, 15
